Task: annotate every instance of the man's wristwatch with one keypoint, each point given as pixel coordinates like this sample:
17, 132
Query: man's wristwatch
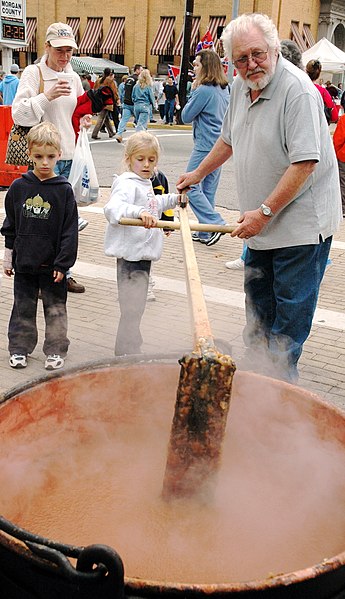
266, 210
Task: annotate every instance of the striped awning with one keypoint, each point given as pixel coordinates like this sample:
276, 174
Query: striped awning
31, 28
114, 40
308, 36
164, 38
296, 36
92, 37
74, 23
194, 38
213, 25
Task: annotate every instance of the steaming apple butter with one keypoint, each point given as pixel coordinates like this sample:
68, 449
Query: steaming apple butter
82, 461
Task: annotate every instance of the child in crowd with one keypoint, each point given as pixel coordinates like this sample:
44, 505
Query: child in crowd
135, 248
41, 239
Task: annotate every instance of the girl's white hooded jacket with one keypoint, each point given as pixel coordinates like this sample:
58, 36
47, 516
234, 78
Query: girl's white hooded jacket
130, 196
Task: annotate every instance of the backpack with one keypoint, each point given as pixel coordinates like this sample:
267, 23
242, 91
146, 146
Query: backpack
331, 112
100, 97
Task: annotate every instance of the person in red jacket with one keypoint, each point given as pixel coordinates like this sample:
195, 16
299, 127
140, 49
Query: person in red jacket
313, 69
339, 146
91, 102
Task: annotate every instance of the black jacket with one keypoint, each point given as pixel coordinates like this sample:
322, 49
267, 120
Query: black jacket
41, 224
129, 84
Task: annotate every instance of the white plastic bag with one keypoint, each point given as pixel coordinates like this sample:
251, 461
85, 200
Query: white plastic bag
83, 177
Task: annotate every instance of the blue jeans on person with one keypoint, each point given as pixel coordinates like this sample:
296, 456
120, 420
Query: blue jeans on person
244, 252
63, 167
142, 116
282, 287
169, 111
202, 196
127, 112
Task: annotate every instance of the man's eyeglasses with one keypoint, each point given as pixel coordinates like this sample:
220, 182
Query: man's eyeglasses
258, 57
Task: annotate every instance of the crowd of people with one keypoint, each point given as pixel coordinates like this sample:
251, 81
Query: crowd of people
272, 123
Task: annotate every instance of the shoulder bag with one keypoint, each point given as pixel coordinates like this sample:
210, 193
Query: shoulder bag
17, 145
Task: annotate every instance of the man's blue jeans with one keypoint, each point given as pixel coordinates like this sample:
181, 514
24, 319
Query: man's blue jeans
127, 112
202, 196
169, 111
282, 287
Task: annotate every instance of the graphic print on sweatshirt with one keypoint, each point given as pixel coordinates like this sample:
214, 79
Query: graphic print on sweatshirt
152, 204
36, 207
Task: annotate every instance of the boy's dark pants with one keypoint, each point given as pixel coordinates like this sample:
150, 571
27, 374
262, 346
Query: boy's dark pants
22, 330
132, 285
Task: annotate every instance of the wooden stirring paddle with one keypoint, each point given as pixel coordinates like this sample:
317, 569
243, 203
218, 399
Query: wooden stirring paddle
203, 396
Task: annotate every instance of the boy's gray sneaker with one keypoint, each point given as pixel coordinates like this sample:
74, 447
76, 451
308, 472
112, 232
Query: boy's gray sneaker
18, 361
54, 362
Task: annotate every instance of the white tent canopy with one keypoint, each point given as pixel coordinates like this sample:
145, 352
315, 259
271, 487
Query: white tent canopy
330, 56
91, 64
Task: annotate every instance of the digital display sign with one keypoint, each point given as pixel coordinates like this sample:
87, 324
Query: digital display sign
13, 32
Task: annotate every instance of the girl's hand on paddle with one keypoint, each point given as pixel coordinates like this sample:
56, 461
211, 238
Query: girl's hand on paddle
148, 219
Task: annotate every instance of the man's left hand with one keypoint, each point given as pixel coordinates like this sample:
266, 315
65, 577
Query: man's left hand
250, 223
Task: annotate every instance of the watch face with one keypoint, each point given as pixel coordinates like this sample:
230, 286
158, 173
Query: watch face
266, 210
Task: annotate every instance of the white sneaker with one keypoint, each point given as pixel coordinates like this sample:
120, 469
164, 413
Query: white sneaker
18, 361
54, 362
82, 223
235, 264
150, 295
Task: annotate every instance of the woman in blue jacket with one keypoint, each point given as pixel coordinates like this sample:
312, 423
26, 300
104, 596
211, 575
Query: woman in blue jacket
143, 99
206, 108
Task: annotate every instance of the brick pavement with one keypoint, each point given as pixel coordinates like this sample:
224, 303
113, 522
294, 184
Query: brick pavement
166, 328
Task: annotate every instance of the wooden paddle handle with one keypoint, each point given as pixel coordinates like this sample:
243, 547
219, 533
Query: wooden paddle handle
168, 224
203, 338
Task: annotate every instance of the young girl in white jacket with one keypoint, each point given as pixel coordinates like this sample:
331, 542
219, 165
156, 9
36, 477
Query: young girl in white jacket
135, 248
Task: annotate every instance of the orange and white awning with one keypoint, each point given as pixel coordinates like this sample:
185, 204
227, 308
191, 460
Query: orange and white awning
297, 37
194, 38
114, 40
164, 38
31, 28
91, 41
74, 23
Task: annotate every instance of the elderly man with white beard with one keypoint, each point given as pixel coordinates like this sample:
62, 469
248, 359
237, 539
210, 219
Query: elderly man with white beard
289, 197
